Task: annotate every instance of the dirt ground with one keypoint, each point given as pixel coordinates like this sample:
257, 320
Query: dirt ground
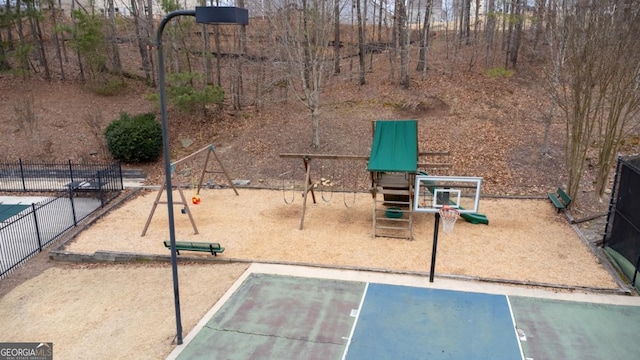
128, 310
525, 240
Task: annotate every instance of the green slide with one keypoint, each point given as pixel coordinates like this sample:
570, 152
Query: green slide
473, 218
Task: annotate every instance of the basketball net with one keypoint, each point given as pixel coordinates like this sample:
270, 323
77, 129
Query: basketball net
449, 217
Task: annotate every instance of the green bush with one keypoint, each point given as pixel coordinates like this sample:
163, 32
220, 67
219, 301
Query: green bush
133, 139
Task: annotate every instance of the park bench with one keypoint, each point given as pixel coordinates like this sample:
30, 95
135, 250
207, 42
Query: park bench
213, 248
560, 199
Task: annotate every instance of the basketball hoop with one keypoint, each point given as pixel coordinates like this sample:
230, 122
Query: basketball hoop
449, 217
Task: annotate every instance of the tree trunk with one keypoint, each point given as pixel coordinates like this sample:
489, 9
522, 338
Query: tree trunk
424, 40
307, 42
218, 50
7, 8
382, 2
149, 30
141, 39
489, 32
75, 38
336, 37
361, 47
38, 39
242, 50
539, 22
206, 50
56, 41
4, 63
403, 37
467, 22
112, 38
315, 125
514, 46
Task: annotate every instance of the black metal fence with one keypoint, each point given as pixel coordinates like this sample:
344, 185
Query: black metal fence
102, 180
78, 191
622, 231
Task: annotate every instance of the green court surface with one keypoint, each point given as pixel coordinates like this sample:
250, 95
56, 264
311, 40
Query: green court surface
7, 211
568, 330
271, 316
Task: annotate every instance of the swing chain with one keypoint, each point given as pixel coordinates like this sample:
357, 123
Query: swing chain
326, 182
284, 187
344, 191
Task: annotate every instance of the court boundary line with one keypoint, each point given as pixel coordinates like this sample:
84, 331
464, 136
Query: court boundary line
355, 322
418, 280
515, 328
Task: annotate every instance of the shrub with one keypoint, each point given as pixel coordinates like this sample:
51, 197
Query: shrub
133, 139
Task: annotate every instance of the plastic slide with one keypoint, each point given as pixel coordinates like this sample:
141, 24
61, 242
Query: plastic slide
475, 218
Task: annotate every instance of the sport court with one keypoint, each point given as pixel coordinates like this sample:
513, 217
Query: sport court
334, 314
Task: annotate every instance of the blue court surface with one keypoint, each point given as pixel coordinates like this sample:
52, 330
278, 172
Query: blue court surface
275, 316
401, 322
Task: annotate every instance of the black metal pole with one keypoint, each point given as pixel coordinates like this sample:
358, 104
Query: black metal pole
167, 163
435, 247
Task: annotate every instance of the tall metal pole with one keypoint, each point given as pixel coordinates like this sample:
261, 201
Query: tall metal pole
203, 15
167, 163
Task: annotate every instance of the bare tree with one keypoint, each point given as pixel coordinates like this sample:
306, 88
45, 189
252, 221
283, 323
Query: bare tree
424, 40
303, 35
140, 24
598, 77
56, 41
403, 40
490, 31
116, 65
336, 37
33, 14
361, 44
514, 43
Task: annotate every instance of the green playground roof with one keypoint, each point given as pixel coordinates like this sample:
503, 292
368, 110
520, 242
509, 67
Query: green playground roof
395, 146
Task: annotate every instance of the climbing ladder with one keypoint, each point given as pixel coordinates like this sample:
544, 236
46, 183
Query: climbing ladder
393, 204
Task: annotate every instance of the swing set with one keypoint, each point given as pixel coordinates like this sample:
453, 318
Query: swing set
197, 179
309, 184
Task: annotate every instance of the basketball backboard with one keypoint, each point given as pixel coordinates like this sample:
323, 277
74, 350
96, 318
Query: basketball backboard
458, 192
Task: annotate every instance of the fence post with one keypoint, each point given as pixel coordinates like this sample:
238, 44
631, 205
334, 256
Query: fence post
24, 185
73, 207
100, 188
35, 219
119, 165
70, 171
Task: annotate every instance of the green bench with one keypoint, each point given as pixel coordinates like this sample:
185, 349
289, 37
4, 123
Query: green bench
560, 199
213, 248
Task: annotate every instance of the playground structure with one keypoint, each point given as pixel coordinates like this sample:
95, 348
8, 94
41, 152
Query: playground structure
193, 170
393, 164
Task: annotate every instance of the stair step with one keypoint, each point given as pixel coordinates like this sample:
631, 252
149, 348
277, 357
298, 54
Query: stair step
393, 228
393, 191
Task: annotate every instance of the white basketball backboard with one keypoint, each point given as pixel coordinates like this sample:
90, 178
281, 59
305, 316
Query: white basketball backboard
458, 192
